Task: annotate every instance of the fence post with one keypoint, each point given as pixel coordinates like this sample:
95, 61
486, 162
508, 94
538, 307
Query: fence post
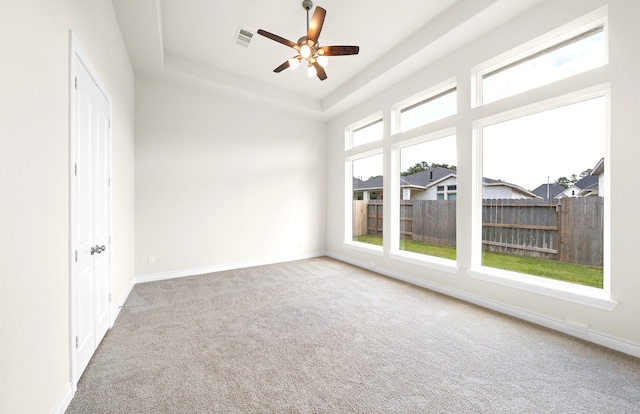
563, 230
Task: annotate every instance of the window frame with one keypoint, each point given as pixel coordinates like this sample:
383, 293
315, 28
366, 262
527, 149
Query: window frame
585, 295
360, 125
348, 208
427, 261
423, 97
530, 49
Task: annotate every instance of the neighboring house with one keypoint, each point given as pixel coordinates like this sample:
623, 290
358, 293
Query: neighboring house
432, 184
583, 187
496, 189
591, 185
436, 184
598, 171
370, 189
549, 191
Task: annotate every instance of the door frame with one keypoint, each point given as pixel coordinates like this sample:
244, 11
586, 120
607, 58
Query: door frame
76, 51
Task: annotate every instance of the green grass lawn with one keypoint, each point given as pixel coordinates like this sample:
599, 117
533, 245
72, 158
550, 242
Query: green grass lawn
552, 269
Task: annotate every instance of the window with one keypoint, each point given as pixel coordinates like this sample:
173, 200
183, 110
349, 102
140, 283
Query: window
428, 110
427, 208
566, 58
365, 134
366, 208
525, 228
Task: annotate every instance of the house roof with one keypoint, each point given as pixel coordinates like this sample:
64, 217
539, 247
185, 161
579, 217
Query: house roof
428, 178
373, 183
553, 190
420, 180
599, 168
489, 182
589, 182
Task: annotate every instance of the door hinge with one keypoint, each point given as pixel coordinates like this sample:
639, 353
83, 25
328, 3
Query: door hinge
76, 256
76, 342
109, 181
76, 82
75, 168
109, 297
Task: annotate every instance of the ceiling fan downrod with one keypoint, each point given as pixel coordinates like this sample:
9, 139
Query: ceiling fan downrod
307, 5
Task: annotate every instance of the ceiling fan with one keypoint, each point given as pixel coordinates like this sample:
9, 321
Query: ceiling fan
307, 46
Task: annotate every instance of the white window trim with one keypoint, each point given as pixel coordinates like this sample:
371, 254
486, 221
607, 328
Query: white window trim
364, 247
584, 295
426, 94
348, 132
348, 206
592, 20
431, 262
394, 250
571, 292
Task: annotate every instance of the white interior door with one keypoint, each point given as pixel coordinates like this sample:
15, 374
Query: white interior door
90, 218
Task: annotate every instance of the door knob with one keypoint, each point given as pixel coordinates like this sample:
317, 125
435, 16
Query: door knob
97, 249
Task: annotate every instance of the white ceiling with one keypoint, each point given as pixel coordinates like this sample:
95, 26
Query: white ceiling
194, 41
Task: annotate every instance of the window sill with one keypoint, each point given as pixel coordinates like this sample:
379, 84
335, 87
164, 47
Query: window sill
364, 247
570, 292
445, 265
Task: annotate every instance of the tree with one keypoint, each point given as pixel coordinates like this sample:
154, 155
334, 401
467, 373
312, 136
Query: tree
567, 182
424, 166
447, 166
418, 167
563, 181
585, 172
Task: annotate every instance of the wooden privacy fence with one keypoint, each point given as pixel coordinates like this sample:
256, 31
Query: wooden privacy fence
568, 230
429, 221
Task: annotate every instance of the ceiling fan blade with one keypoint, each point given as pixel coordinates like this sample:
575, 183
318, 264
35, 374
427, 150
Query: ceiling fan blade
278, 39
315, 26
339, 50
322, 75
282, 67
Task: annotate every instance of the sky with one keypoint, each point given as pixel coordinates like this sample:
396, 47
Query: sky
529, 151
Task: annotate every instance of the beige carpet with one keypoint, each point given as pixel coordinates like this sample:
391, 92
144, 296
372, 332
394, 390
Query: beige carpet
321, 336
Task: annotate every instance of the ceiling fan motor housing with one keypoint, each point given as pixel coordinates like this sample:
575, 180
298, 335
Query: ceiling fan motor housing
307, 4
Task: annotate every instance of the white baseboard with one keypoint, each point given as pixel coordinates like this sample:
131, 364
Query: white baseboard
596, 337
221, 267
123, 300
64, 401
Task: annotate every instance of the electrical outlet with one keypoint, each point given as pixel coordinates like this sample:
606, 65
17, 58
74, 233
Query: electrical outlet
152, 259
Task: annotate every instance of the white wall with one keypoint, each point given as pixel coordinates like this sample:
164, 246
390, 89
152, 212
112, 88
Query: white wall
618, 327
34, 187
223, 181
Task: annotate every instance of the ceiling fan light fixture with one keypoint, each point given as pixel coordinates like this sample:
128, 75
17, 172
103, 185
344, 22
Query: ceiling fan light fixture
305, 51
294, 62
322, 61
311, 71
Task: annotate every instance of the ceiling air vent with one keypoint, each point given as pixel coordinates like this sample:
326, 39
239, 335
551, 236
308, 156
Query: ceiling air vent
243, 37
